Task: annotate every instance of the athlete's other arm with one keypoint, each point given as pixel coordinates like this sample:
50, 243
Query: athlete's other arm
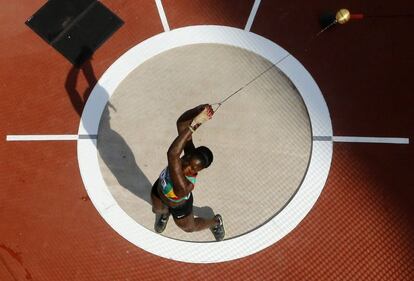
181, 185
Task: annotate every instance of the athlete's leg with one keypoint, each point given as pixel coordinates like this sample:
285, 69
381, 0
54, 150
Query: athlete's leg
184, 218
158, 207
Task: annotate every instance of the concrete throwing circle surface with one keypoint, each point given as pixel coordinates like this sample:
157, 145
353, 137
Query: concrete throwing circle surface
272, 141
261, 138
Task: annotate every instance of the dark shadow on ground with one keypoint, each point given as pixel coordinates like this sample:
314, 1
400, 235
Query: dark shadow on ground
120, 159
113, 149
77, 99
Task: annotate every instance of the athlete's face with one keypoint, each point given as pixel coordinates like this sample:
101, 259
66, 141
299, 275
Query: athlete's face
193, 167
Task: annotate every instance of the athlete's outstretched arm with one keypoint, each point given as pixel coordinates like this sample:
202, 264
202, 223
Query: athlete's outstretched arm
188, 122
187, 117
185, 120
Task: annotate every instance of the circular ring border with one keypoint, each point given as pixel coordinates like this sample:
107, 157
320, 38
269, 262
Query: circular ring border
206, 252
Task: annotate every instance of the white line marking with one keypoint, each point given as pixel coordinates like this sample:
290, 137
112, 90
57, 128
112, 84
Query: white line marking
252, 15
163, 17
48, 137
322, 138
371, 140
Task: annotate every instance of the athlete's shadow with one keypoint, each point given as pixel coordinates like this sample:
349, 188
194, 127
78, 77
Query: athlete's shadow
112, 148
77, 99
120, 159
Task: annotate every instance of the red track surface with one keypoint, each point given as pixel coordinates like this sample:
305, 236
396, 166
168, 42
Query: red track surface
362, 226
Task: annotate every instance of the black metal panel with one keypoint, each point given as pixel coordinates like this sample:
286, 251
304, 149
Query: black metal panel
55, 16
75, 28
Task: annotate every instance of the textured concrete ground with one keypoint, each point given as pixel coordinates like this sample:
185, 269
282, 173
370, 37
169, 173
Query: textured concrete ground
260, 137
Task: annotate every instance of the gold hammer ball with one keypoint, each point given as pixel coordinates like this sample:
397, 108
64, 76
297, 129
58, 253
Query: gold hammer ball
343, 16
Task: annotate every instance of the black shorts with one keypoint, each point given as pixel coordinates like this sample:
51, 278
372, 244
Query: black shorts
180, 211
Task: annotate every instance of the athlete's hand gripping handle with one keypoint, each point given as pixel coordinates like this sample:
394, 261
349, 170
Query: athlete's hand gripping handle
205, 115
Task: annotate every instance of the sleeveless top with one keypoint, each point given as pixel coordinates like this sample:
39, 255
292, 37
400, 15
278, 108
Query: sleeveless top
167, 186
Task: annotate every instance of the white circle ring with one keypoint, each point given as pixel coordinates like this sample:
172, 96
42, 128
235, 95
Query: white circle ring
206, 252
